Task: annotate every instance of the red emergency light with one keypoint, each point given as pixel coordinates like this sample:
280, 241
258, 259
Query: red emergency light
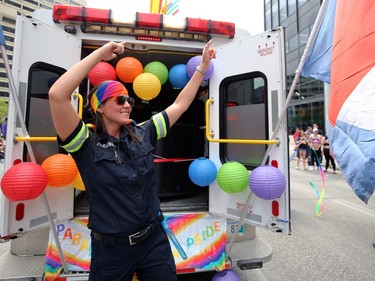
151, 22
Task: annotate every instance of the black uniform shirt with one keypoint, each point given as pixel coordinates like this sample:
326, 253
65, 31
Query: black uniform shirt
122, 197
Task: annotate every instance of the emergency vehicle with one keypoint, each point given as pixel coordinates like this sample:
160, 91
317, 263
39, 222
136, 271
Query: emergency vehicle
238, 115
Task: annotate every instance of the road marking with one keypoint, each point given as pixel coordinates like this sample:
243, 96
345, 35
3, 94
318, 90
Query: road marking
354, 207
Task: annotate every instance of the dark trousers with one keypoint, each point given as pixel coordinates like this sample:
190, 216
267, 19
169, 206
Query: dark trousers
151, 260
316, 156
329, 158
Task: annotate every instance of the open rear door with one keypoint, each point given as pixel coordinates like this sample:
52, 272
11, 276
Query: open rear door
247, 93
41, 54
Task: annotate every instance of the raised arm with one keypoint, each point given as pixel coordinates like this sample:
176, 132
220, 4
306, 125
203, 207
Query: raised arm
186, 96
65, 117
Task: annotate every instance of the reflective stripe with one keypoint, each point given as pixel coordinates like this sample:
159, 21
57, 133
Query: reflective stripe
160, 125
78, 140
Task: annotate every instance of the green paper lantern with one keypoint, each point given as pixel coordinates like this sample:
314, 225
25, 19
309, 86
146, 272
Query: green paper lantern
158, 69
233, 177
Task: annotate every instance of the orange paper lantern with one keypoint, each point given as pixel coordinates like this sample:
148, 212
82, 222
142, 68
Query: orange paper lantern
61, 169
128, 69
24, 181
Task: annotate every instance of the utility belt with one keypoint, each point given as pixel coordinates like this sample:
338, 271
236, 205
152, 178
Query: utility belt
131, 239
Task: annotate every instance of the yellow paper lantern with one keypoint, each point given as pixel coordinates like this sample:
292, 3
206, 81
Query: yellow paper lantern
61, 169
78, 183
147, 86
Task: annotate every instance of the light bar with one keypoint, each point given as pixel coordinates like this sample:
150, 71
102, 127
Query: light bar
164, 23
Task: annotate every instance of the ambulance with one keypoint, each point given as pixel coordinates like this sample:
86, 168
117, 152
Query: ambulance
238, 116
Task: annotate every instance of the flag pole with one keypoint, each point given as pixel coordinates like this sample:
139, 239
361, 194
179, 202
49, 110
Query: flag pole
309, 43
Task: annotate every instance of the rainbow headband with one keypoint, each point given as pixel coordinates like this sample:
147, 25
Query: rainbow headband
107, 89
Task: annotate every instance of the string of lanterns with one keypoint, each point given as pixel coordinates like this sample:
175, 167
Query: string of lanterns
147, 81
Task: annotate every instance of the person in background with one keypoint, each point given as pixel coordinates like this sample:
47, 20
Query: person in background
117, 167
315, 142
2, 148
328, 155
4, 126
302, 144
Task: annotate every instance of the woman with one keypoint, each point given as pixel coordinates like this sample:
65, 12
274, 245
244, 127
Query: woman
116, 166
328, 155
301, 143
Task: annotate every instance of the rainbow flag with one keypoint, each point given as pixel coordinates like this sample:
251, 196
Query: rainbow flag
351, 73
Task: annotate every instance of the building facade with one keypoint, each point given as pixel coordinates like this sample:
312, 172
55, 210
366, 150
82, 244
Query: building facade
8, 12
298, 17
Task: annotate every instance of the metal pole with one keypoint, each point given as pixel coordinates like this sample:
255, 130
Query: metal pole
309, 43
14, 96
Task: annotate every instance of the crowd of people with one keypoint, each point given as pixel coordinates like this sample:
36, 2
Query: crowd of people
310, 148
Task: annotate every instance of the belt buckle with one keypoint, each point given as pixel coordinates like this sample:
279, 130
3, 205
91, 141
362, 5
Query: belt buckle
131, 243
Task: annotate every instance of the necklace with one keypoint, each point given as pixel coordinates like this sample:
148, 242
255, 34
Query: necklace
118, 158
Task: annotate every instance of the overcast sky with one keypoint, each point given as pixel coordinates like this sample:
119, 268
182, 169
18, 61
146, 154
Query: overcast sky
244, 13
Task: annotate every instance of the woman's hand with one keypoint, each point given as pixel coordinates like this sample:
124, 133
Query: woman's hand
208, 54
110, 50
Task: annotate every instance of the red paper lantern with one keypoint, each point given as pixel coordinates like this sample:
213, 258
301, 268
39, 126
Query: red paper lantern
128, 69
24, 181
61, 169
101, 72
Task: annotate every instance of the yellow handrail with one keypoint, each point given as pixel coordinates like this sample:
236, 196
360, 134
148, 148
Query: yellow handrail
40, 139
209, 134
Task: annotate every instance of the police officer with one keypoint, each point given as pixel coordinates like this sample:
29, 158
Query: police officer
116, 165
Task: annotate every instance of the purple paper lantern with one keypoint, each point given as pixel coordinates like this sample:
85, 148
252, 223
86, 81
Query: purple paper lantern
178, 76
267, 182
202, 171
226, 275
192, 65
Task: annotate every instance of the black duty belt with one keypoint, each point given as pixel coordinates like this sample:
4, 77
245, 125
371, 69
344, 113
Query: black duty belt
131, 239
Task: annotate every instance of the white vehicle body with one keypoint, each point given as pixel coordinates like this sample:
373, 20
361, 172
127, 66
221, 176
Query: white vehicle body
246, 98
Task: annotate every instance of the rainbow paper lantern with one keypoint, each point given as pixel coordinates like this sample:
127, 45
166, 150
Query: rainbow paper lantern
192, 65
128, 68
267, 182
147, 86
178, 76
61, 169
158, 69
101, 72
202, 171
226, 275
24, 181
232, 177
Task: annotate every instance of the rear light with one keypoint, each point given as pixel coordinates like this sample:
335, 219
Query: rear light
66, 13
192, 28
20, 211
275, 208
275, 163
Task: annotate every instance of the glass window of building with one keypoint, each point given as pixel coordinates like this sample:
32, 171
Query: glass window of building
293, 43
304, 36
301, 2
275, 13
291, 7
283, 10
267, 16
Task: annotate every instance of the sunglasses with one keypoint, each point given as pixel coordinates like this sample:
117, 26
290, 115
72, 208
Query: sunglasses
121, 100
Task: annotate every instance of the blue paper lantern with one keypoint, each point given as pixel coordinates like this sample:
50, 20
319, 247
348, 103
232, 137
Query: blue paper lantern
178, 76
267, 182
202, 171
